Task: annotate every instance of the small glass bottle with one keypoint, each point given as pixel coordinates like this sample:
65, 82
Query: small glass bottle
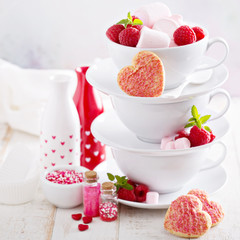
108, 208
91, 193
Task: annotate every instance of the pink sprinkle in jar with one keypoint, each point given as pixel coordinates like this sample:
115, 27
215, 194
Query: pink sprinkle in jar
91, 193
108, 208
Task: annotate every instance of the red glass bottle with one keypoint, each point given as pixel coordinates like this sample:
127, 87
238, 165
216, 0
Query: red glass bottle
89, 106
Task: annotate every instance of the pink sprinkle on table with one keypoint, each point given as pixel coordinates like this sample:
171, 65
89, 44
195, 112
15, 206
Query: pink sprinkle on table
65, 177
108, 211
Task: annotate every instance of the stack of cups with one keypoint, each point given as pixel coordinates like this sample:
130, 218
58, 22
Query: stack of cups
135, 129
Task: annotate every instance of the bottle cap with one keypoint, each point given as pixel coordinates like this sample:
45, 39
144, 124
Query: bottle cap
91, 176
108, 186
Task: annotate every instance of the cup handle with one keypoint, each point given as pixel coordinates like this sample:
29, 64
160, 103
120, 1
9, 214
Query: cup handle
227, 100
210, 43
212, 164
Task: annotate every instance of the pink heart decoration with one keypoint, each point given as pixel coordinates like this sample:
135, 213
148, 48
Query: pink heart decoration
70, 150
45, 154
70, 163
62, 156
53, 164
53, 137
62, 143
71, 136
53, 150
45, 141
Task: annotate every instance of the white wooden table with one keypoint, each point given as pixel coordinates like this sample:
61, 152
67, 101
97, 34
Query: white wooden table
39, 220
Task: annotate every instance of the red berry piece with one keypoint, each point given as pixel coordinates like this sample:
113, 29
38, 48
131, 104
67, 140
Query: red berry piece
141, 192
87, 219
198, 136
77, 216
129, 37
212, 137
126, 194
199, 33
113, 32
182, 134
184, 35
82, 227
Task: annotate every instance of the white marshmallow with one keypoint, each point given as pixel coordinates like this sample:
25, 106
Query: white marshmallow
178, 19
173, 44
182, 143
166, 25
150, 13
152, 198
150, 38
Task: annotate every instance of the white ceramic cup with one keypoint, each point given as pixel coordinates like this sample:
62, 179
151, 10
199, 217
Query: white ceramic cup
151, 122
167, 171
179, 62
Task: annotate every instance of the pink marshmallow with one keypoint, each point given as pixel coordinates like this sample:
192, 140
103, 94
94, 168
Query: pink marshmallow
170, 145
150, 38
150, 13
178, 19
164, 141
166, 25
182, 143
152, 198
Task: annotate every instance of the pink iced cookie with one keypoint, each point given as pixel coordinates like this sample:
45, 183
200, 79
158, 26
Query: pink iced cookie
150, 13
214, 209
186, 218
152, 198
182, 143
166, 25
150, 38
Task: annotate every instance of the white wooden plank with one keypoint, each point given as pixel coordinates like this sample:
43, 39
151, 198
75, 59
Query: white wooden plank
33, 220
66, 228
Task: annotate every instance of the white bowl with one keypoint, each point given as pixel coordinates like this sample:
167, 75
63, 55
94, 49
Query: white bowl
178, 62
163, 171
63, 196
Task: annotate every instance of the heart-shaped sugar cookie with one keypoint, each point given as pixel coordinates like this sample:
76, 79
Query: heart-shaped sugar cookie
185, 217
145, 78
214, 209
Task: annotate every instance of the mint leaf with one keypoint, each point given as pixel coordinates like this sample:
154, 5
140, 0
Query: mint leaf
119, 179
125, 22
194, 112
128, 186
137, 22
204, 119
207, 128
198, 123
189, 124
110, 176
192, 119
129, 16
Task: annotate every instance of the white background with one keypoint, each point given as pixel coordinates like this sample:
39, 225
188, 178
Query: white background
69, 33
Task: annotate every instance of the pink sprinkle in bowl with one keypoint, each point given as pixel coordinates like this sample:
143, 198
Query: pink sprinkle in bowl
63, 195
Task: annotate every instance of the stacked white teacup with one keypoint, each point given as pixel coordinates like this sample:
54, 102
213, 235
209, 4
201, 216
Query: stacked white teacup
135, 129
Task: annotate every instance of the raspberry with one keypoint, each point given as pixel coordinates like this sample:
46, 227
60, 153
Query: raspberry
184, 35
77, 216
132, 183
113, 32
198, 137
129, 37
182, 134
199, 33
141, 192
212, 137
87, 219
126, 194
82, 227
